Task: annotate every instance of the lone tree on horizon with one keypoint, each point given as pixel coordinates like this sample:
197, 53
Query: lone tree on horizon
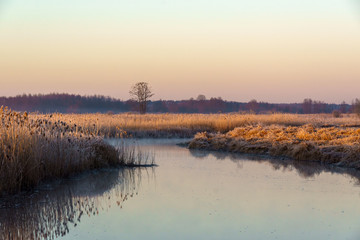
141, 92
201, 97
356, 106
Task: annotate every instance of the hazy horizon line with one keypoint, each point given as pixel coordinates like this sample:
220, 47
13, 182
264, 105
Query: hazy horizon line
183, 99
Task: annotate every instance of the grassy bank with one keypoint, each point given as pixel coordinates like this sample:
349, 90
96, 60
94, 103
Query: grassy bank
187, 125
42, 147
331, 145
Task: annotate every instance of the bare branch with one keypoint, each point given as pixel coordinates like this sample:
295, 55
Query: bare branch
141, 92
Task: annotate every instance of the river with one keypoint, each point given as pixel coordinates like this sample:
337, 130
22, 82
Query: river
191, 195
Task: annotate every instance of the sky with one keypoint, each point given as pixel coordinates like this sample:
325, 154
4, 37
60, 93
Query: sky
275, 51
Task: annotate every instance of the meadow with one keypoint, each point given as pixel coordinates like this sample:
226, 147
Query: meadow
187, 125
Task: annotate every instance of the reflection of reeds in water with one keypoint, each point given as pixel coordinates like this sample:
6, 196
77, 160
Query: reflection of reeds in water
304, 169
133, 156
48, 214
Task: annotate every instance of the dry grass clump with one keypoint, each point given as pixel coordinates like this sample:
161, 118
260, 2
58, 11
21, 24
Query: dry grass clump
45, 147
187, 125
333, 145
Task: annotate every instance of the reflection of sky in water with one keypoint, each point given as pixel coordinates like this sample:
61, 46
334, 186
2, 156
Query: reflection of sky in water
194, 195
52, 209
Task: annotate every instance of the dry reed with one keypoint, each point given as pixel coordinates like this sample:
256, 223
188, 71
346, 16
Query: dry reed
187, 125
334, 145
42, 147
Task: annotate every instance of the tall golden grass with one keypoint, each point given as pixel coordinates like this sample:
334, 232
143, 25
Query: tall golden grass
334, 145
39, 146
187, 125
42, 147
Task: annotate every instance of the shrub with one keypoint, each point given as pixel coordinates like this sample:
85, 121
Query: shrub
336, 114
356, 107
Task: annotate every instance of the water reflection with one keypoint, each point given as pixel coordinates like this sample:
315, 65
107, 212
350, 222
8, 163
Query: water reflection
304, 169
52, 210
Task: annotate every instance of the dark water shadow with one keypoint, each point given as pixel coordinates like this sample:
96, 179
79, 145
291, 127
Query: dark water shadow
53, 209
304, 169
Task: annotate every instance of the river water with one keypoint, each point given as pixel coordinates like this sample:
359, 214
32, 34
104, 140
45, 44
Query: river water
192, 195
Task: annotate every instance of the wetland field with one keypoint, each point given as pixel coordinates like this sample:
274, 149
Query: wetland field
179, 120
180, 176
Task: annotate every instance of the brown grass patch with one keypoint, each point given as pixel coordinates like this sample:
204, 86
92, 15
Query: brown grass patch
43, 147
334, 145
187, 125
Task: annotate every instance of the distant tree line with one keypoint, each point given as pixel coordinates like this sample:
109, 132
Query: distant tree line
69, 103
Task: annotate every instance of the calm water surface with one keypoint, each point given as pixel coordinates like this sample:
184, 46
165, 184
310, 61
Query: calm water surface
192, 195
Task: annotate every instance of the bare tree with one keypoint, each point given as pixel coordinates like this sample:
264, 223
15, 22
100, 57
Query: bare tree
307, 105
201, 97
356, 106
343, 107
141, 92
253, 106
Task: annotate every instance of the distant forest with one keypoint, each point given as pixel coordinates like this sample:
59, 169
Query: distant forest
67, 103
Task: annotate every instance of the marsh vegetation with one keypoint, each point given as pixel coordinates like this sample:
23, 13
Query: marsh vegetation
229, 192
43, 147
187, 125
34, 147
332, 145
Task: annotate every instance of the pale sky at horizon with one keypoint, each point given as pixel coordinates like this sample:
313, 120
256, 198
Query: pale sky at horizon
274, 51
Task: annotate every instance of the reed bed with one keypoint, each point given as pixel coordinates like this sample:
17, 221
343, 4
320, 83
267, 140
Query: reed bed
187, 125
43, 147
333, 145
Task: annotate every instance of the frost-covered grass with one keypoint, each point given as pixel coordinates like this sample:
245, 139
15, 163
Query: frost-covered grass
42, 146
333, 145
187, 125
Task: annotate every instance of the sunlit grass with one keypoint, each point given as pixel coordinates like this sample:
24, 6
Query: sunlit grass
39, 146
44, 146
187, 125
340, 145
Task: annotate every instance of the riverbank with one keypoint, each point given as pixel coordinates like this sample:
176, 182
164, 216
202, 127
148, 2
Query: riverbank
332, 145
